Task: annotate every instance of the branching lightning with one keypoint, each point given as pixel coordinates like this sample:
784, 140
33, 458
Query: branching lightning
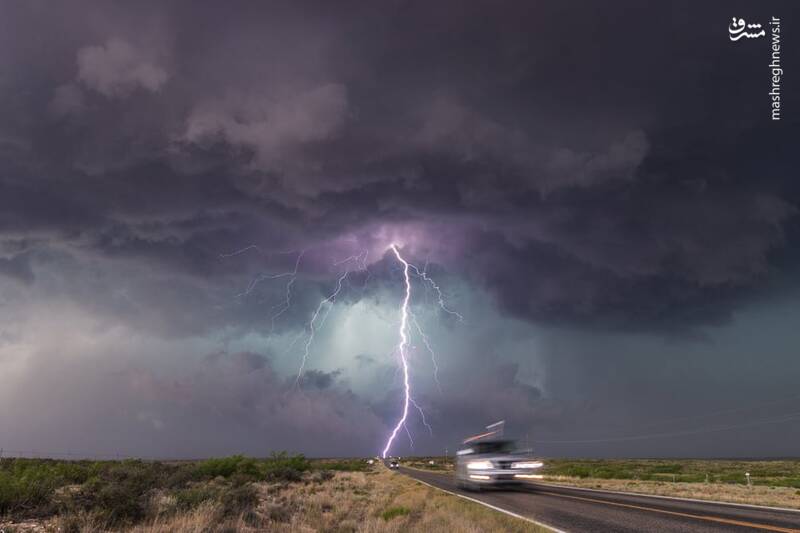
286, 304
401, 348
325, 305
424, 275
241, 251
292, 274
428, 347
422, 415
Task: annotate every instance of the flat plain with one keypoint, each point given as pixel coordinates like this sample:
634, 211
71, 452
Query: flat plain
233, 494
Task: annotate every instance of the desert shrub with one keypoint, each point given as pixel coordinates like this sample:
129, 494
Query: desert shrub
179, 477
119, 503
322, 476
393, 512
283, 473
115, 494
222, 466
284, 467
238, 499
26, 486
119, 492
190, 498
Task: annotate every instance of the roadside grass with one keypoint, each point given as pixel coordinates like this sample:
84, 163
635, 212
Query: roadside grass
341, 465
768, 473
282, 493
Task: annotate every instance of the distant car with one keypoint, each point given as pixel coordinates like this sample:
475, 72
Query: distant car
394, 464
494, 463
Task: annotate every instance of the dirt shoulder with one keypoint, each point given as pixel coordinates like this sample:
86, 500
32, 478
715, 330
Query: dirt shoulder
720, 492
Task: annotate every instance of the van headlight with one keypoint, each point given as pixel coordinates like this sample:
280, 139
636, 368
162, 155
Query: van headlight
528, 464
479, 465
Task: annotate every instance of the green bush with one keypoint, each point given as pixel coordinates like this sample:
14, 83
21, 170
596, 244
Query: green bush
227, 466
393, 512
284, 467
119, 503
118, 492
27, 489
27, 485
190, 498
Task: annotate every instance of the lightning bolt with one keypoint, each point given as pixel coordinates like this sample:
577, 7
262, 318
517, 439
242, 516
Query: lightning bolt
401, 348
408, 318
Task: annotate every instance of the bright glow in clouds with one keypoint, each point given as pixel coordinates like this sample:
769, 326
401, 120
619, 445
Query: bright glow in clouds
358, 262
330, 301
402, 349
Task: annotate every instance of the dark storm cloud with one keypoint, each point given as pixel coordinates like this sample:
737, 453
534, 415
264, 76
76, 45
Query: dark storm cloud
129, 133
317, 379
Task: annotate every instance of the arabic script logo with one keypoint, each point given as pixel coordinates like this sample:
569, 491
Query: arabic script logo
738, 29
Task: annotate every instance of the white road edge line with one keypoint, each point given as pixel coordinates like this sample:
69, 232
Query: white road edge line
644, 495
490, 506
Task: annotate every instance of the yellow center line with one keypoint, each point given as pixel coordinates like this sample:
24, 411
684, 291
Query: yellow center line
742, 523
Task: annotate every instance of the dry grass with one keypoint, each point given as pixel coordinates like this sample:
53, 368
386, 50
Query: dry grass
721, 492
203, 519
377, 501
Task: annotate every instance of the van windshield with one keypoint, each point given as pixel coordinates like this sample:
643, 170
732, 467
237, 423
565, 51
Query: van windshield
497, 446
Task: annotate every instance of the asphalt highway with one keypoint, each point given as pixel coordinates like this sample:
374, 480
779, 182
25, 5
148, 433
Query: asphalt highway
576, 510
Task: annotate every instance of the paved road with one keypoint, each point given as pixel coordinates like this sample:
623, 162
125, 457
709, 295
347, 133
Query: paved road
576, 510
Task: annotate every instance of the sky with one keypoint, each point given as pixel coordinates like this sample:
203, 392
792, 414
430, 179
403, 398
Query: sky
597, 190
